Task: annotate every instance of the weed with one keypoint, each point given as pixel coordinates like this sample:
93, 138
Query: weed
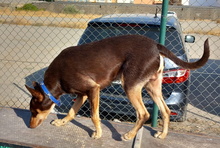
70, 9
29, 7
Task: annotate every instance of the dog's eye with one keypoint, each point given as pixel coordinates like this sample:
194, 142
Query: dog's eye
34, 113
33, 109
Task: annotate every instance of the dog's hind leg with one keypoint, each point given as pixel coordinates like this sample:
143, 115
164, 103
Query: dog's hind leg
72, 112
94, 99
154, 88
134, 95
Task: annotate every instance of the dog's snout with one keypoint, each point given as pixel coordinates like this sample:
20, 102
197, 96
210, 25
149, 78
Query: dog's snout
32, 126
35, 122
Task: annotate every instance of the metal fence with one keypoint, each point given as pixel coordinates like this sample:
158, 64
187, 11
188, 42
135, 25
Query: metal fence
34, 33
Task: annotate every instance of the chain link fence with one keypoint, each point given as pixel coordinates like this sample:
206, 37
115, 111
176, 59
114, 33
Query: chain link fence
33, 33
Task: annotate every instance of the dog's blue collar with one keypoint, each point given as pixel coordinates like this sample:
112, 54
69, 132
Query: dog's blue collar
47, 92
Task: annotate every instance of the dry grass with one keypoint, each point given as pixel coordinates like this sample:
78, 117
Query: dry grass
214, 31
45, 14
17, 21
23, 21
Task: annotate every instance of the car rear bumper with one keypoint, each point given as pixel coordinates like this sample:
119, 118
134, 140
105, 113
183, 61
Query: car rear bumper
122, 106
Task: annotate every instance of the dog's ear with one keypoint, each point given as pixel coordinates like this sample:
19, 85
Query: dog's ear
36, 86
35, 92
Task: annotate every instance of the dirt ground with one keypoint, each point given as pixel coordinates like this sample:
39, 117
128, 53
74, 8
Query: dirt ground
197, 126
204, 123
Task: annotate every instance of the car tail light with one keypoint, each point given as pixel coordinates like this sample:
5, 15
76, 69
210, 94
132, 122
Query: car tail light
175, 76
173, 113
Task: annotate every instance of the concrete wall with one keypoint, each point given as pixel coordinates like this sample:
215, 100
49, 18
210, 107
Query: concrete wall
183, 12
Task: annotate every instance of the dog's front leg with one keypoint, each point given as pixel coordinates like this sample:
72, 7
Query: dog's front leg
94, 103
72, 112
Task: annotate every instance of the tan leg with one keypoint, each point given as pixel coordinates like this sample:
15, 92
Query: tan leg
155, 90
72, 112
94, 103
134, 95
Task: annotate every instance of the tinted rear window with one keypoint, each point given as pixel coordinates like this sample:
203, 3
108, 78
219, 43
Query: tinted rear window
97, 32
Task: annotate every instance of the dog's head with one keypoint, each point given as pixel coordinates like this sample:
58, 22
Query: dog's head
40, 105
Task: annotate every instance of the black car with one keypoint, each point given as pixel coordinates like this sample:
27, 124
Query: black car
113, 101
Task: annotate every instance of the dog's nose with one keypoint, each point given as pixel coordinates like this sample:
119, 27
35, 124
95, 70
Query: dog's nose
31, 126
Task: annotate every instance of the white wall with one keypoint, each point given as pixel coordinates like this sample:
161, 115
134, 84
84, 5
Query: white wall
207, 3
124, 1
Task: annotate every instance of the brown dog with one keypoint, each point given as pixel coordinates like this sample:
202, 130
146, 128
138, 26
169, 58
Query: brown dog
85, 70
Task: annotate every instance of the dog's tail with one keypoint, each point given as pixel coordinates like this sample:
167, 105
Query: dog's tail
194, 65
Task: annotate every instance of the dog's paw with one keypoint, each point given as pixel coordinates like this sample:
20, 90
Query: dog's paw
160, 135
96, 135
59, 122
128, 136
